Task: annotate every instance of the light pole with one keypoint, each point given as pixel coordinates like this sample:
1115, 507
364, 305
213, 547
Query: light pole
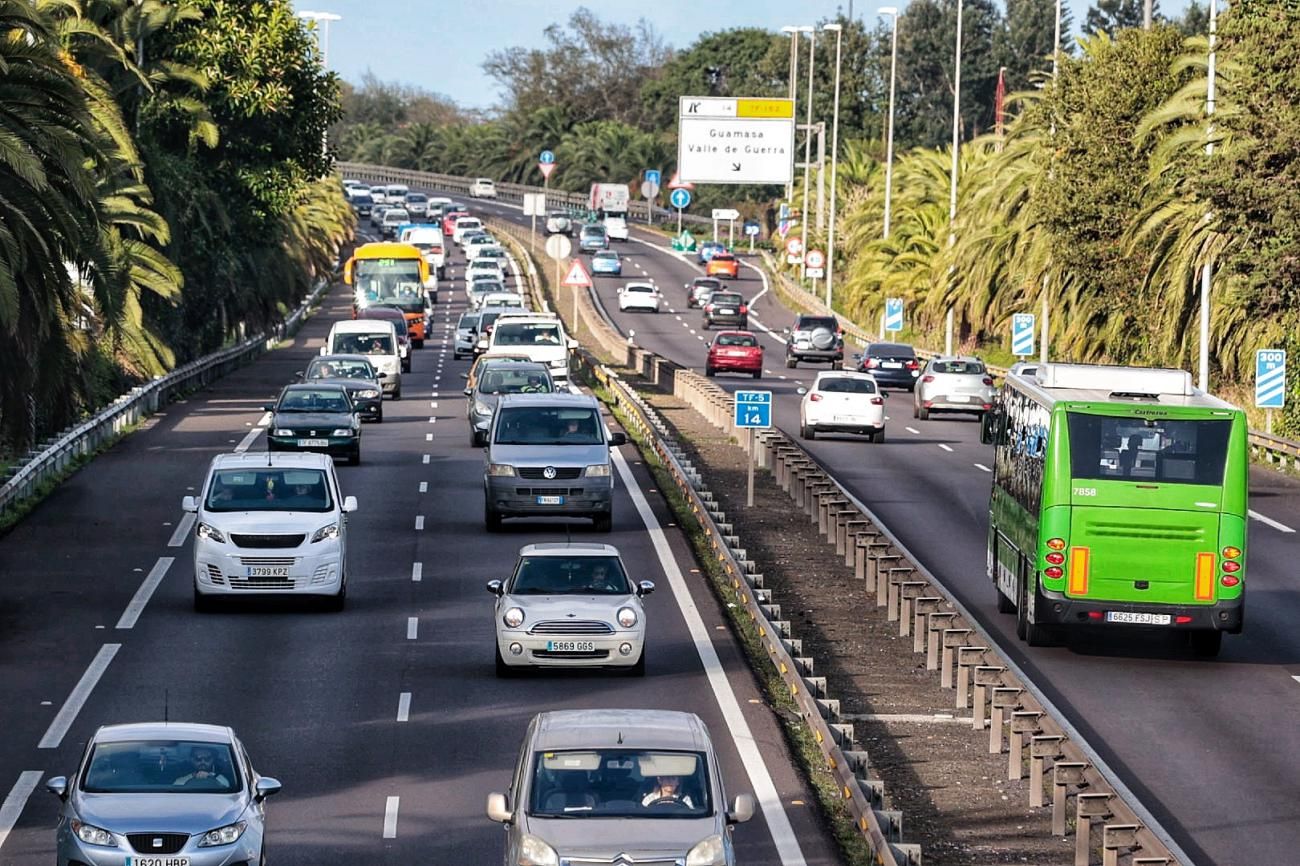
807, 145
1207, 269
794, 95
952, 195
838, 30
1056, 65
322, 20
891, 11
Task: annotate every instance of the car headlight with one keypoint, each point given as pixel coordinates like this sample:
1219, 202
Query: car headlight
343, 431
280, 431
598, 470
482, 408
514, 617
535, 852
560, 362
326, 532
211, 533
92, 835
224, 835
710, 852
501, 470
626, 617
368, 394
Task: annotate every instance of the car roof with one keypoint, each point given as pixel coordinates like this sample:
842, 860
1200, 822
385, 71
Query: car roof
529, 366
299, 459
642, 283
341, 357
164, 731
630, 729
969, 359
735, 332
361, 326
890, 347
310, 386
844, 374
577, 548
557, 399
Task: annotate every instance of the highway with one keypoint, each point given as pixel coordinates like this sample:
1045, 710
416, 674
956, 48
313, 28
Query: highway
1211, 748
385, 722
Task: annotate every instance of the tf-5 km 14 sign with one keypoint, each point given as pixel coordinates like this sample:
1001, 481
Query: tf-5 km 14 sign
722, 140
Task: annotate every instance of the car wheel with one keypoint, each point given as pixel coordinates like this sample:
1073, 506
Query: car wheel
339, 601
707, 325
504, 671
397, 393
791, 361
355, 459
638, 669
491, 518
1005, 605
602, 522
878, 437
923, 413
379, 419
837, 364
807, 432
203, 603
419, 344
1206, 644
476, 439
1031, 633
710, 372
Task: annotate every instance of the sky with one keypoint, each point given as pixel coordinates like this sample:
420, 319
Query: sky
440, 46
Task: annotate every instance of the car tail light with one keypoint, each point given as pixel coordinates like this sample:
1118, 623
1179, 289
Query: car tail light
877, 401
815, 397
1056, 543
708, 308
744, 309
1230, 580
927, 378
913, 364
872, 363
988, 380
1231, 567
1056, 558
1054, 572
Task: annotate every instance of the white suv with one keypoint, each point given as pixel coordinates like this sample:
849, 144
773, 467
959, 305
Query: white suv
270, 524
483, 187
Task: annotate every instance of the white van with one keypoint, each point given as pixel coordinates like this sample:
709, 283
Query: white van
429, 241
396, 192
483, 187
540, 336
377, 340
465, 224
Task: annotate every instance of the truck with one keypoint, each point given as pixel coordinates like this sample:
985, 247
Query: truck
609, 199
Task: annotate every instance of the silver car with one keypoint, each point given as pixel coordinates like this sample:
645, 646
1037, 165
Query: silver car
495, 379
953, 384
163, 794
466, 335
618, 786
570, 605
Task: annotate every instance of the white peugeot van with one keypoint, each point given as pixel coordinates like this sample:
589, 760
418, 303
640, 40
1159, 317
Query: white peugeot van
540, 336
377, 340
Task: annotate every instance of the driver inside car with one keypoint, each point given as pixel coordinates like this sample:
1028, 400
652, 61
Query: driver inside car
667, 789
204, 761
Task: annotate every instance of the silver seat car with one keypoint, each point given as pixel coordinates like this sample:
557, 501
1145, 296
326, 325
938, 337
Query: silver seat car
570, 605
618, 786
162, 794
953, 384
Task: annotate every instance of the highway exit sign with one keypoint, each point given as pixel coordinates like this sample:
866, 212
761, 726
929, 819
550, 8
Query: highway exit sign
724, 140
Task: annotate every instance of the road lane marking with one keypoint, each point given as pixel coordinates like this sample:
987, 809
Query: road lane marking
428, 437
981, 467
1268, 521
12, 807
433, 419
434, 404
424, 487
404, 707
252, 435
412, 627
419, 522
145, 592
426, 459
417, 571
67, 714
945, 447
913, 431
769, 800
390, 817
182, 529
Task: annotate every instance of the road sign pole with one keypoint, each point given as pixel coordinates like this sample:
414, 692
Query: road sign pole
679, 221
749, 496
1268, 421
751, 243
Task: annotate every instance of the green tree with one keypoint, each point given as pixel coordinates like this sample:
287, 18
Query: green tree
1112, 16
1026, 39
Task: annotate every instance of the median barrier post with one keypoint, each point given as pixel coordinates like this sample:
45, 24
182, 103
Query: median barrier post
854, 527
1022, 722
935, 624
897, 576
841, 520
1003, 700
908, 591
1117, 837
921, 607
967, 658
875, 548
1065, 774
1087, 808
952, 639
1041, 748
884, 565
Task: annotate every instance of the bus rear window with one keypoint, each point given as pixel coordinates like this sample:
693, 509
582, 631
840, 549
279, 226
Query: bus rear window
1159, 450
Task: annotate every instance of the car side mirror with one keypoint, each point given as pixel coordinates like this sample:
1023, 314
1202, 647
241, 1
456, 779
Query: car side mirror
785, 331
465, 376
645, 587
300, 375
381, 375
496, 587
742, 809
468, 391
268, 407
190, 504
617, 439
572, 344
349, 504
856, 356
801, 391
266, 787
496, 809
884, 395
58, 786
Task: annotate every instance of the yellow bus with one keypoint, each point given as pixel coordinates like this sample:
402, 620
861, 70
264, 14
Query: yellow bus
392, 275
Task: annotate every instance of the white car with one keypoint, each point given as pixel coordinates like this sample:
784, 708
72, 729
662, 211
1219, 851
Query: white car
483, 187
511, 300
539, 336
616, 228
485, 266
465, 224
270, 524
475, 246
842, 401
570, 605
639, 296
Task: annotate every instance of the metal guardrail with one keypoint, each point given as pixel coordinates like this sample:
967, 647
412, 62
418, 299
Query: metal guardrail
86, 437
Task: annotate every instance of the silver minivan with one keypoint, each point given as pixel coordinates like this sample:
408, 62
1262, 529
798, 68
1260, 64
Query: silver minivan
610, 786
548, 456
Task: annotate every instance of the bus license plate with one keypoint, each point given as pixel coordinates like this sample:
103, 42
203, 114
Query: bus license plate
1137, 618
570, 646
550, 500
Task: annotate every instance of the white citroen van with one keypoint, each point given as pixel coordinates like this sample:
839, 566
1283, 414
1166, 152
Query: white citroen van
377, 340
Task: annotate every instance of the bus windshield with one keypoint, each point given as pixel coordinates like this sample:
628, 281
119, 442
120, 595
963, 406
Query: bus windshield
1160, 450
390, 281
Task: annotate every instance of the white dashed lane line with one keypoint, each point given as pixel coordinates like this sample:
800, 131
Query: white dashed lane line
412, 627
981, 467
419, 523
945, 447
404, 707
417, 571
913, 431
391, 806
12, 807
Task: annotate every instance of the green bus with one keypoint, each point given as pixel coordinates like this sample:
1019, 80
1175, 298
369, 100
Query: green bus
1119, 500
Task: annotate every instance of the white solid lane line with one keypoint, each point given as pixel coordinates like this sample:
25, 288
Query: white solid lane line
145, 592
80, 692
182, 529
778, 822
417, 571
253, 434
981, 467
404, 707
945, 447
412, 627
1268, 521
913, 431
12, 807
390, 817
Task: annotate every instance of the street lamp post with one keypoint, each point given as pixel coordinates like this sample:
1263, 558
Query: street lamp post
1056, 64
838, 30
1207, 269
891, 11
323, 20
794, 95
952, 195
807, 145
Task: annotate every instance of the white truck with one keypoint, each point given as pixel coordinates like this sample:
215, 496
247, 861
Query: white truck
609, 201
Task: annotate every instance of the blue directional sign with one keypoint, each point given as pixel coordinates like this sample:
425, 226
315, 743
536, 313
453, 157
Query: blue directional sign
753, 408
894, 314
1270, 378
1022, 334
785, 211
751, 228
653, 176
680, 198
547, 158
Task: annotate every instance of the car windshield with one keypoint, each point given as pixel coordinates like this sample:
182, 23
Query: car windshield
846, 385
388, 281
468, 321
593, 231
340, 369
418, 198
393, 313
960, 368
810, 323
710, 285
487, 320
620, 783
726, 300
570, 575
314, 400
396, 215
161, 767
890, 350
528, 334
268, 488
606, 256
737, 340
724, 257
1162, 450
504, 380
638, 287
363, 344
549, 425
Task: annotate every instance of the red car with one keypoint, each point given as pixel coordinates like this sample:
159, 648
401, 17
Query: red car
449, 221
735, 352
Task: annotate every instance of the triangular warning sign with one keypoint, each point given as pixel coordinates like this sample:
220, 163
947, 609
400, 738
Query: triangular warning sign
577, 277
676, 183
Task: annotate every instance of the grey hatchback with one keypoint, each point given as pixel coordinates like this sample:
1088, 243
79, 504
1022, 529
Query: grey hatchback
495, 380
162, 793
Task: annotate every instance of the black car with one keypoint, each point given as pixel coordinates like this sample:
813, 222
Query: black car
727, 309
892, 365
315, 417
354, 373
815, 338
361, 202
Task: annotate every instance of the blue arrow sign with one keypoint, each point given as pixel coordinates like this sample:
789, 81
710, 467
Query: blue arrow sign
680, 198
547, 158
1022, 334
751, 228
652, 175
894, 314
1270, 378
753, 408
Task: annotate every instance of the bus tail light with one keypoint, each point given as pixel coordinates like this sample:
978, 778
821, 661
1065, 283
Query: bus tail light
1230, 580
1204, 577
1079, 561
1182, 619
1055, 572
1231, 566
1056, 543
1231, 552
1056, 558
1096, 614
